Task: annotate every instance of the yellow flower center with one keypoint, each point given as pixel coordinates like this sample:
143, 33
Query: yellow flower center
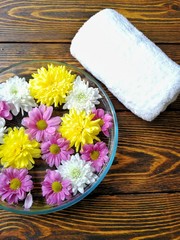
56, 187
14, 91
41, 124
75, 173
94, 155
15, 184
54, 149
79, 130
81, 96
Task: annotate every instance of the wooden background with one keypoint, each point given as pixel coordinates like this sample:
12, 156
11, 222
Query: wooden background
140, 196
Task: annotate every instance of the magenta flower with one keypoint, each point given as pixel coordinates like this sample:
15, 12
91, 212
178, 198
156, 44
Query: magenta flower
55, 150
15, 184
40, 125
96, 153
106, 120
55, 189
5, 110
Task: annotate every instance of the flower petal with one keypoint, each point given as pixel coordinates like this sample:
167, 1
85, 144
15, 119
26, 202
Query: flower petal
28, 201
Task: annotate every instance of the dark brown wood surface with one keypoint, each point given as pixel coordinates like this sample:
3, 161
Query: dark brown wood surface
140, 196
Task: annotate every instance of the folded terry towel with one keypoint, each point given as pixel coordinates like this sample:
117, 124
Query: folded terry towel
133, 68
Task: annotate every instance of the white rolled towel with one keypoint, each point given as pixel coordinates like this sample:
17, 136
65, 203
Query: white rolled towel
132, 67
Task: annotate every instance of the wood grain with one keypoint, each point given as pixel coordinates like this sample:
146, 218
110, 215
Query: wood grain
148, 157
139, 199
125, 217
55, 21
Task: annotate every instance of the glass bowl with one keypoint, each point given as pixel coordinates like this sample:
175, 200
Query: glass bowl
25, 69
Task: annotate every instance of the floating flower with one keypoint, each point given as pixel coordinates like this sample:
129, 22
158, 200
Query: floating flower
15, 184
79, 172
55, 150
2, 129
79, 128
18, 150
96, 154
106, 122
40, 125
15, 92
55, 189
5, 110
51, 86
82, 97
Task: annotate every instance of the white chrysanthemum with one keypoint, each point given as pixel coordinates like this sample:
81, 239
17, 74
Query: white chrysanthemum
15, 91
2, 129
79, 172
82, 97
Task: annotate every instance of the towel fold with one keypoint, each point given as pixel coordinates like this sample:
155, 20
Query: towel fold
132, 67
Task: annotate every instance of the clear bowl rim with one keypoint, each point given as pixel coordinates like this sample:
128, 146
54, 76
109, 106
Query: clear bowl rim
115, 140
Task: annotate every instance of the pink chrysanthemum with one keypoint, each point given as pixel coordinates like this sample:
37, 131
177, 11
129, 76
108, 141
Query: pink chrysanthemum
15, 184
55, 150
5, 110
96, 153
40, 125
106, 120
55, 189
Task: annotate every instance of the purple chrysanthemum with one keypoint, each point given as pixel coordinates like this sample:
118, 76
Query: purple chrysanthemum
5, 110
55, 150
15, 184
55, 189
106, 120
40, 125
96, 153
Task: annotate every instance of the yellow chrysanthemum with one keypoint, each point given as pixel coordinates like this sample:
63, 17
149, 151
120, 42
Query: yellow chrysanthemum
18, 150
79, 128
51, 86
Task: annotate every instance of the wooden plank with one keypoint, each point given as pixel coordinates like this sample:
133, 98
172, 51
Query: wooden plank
11, 53
42, 21
147, 158
137, 217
